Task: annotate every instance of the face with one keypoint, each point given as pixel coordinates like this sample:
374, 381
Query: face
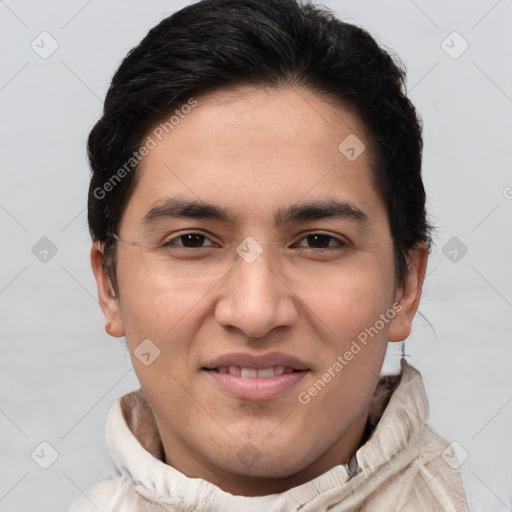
318, 278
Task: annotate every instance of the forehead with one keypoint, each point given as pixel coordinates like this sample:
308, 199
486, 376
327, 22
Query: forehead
251, 119
257, 150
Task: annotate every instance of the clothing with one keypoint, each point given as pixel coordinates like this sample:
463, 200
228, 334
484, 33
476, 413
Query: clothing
403, 466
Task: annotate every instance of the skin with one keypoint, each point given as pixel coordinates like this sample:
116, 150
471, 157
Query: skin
255, 150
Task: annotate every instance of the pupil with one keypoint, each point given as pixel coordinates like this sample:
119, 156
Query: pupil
318, 239
195, 239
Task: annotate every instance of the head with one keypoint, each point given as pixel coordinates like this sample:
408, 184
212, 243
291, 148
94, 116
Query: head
291, 129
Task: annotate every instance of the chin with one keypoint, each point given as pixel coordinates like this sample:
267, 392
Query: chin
273, 462
274, 470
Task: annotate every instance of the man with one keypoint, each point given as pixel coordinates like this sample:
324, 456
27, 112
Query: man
259, 236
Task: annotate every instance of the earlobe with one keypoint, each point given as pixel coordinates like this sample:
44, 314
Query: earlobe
109, 303
408, 295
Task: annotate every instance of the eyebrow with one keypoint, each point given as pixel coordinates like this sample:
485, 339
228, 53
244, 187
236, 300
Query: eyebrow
193, 209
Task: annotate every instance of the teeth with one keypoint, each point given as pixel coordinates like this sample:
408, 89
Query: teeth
265, 373
234, 370
249, 373
279, 370
253, 373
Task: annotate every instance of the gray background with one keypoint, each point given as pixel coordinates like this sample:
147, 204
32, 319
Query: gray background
60, 372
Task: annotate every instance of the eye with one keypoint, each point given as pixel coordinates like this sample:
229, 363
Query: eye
323, 241
195, 240
190, 240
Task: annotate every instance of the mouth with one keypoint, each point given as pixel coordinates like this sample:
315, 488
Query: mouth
256, 378
254, 373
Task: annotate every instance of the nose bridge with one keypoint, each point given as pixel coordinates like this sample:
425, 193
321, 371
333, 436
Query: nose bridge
251, 250
257, 265
254, 298
254, 276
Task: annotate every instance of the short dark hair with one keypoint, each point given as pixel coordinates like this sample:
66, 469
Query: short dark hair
218, 44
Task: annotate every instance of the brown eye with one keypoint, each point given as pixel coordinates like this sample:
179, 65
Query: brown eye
187, 240
192, 239
323, 241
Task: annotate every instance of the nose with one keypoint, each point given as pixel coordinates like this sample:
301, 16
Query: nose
255, 299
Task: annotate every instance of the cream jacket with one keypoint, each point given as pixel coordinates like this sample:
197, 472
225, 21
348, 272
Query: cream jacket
404, 466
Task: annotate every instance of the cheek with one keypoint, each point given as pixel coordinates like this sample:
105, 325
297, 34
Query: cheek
347, 312
156, 308
347, 305
350, 309
160, 312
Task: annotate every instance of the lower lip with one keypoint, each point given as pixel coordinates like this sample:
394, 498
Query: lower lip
256, 389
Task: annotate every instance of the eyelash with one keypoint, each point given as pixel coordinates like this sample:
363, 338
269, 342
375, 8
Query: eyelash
341, 244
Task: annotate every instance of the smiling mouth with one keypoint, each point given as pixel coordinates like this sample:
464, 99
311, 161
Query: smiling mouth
255, 383
254, 373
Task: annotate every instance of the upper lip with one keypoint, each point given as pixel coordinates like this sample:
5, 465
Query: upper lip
244, 360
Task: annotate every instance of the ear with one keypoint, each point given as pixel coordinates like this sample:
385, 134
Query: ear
109, 303
408, 296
